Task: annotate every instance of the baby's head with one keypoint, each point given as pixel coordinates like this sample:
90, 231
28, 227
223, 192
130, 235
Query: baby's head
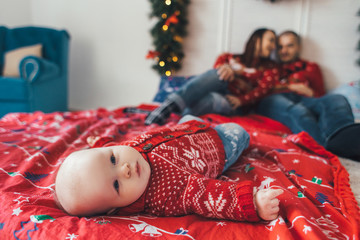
99, 180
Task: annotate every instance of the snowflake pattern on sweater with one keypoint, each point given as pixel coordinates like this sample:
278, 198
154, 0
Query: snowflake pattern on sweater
185, 161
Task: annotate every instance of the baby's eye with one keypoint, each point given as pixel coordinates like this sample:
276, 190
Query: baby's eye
113, 159
116, 186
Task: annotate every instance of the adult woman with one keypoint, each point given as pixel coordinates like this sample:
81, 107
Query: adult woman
235, 81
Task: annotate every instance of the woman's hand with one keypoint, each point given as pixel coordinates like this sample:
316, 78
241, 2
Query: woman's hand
301, 88
225, 73
239, 68
267, 204
234, 101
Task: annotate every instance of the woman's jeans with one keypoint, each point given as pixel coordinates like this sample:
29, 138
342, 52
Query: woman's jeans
234, 138
320, 117
203, 94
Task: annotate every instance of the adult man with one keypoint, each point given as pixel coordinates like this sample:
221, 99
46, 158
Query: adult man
298, 101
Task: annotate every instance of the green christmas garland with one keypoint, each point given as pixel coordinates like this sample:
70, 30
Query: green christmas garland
168, 34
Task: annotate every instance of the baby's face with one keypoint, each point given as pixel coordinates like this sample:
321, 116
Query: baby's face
98, 180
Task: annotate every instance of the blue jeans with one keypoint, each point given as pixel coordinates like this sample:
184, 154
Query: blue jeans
234, 138
320, 117
203, 94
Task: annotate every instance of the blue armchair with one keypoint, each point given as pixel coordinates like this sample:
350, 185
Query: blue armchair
42, 81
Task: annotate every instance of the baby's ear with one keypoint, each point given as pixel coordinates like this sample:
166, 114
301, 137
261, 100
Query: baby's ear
111, 211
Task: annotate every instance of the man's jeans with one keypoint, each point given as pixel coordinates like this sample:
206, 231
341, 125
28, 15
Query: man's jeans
320, 117
203, 94
234, 138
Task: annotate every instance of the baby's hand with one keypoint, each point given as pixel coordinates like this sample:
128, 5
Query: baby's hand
267, 204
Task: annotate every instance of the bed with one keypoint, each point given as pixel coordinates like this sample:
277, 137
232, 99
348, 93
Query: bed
318, 202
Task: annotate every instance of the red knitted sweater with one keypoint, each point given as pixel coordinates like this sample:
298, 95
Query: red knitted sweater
267, 80
301, 71
306, 72
262, 80
185, 161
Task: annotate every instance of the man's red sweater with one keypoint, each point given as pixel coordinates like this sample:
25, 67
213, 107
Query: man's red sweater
301, 71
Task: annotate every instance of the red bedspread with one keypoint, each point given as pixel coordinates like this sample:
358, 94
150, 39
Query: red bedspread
317, 202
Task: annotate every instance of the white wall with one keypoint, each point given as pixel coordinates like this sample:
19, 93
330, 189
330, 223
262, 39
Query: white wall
13, 15
109, 42
110, 39
332, 40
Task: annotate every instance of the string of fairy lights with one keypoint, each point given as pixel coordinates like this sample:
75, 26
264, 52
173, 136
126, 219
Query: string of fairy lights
168, 33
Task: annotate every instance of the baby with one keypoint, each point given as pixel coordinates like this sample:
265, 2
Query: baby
169, 171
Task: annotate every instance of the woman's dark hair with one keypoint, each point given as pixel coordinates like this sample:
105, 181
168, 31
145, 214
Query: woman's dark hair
248, 57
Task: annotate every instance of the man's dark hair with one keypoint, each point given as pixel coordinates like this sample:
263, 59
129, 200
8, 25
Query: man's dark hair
297, 37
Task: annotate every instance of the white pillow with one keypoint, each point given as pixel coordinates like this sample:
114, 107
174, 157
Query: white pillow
14, 57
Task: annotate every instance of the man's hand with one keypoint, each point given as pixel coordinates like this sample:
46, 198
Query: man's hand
225, 73
234, 101
241, 84
301, 88
267, 204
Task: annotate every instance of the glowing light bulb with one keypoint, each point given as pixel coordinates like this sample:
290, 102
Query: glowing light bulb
168, 73
168, 2
164, 15
165, 27
175, 58
178, 38
162, 63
